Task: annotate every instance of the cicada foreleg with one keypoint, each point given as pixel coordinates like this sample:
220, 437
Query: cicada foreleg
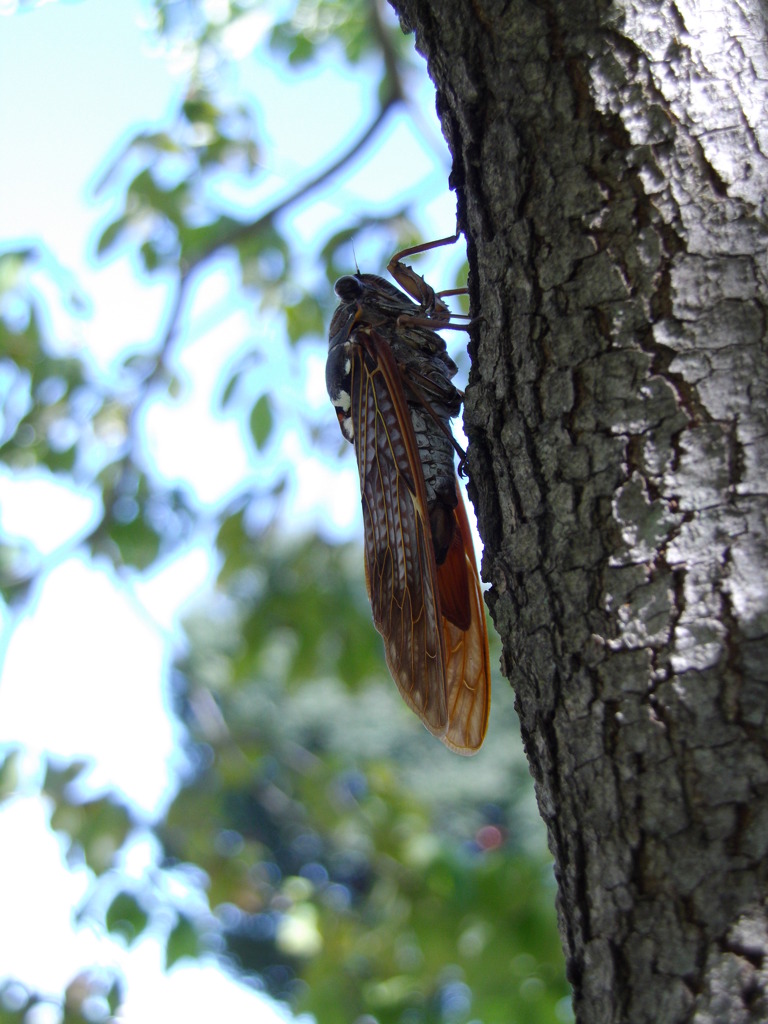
436, 314
414, 250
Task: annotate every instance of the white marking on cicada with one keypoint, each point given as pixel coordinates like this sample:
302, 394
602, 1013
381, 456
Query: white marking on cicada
342, 400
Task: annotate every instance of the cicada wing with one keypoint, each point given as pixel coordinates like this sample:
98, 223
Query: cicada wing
399, 558
467, 661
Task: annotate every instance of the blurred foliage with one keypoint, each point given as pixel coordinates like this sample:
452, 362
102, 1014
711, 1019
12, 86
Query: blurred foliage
336, 870
91, 997
321, 844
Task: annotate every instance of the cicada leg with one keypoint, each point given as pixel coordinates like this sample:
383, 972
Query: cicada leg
423, 247
453, 291
471, 321
437, 314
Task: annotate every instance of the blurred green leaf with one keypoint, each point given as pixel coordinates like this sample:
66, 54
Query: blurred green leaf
150, 256
199, 109
182, 942
9, 773
125, 917
137, 542
58, 780
261, 422
112, 234
114, 996
13, 265
97, 830
305, 318
230, 388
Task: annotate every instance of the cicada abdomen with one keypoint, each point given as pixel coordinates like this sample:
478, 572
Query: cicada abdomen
389, 377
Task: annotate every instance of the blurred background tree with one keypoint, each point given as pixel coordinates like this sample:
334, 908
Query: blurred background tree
310, 839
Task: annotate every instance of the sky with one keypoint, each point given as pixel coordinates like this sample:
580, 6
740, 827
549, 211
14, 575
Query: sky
89, 650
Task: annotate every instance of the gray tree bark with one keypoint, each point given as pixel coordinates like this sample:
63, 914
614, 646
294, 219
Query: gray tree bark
611, 166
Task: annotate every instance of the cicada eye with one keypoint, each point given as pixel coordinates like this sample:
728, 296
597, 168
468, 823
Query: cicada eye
348, 288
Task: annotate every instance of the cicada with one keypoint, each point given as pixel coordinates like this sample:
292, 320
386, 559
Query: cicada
389, 378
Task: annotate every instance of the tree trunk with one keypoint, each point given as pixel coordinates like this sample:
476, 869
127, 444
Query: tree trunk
610, 164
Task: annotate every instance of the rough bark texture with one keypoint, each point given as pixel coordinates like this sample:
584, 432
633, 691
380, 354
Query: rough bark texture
610, 164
